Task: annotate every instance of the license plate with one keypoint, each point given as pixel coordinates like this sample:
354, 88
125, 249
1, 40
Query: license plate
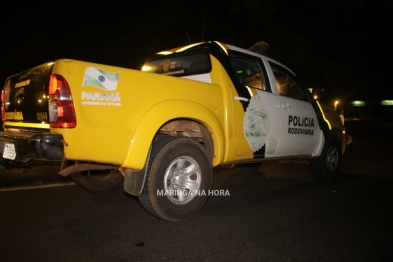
9, 151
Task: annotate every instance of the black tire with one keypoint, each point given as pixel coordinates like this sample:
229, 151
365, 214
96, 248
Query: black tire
176, 168
327, 167
97, 180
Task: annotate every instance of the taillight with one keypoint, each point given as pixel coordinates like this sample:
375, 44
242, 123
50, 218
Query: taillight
2, 106
61, 106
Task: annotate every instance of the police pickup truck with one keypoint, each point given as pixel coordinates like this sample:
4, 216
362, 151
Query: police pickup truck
161, 130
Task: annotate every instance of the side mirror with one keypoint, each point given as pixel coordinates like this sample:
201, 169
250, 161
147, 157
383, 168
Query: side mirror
317, 93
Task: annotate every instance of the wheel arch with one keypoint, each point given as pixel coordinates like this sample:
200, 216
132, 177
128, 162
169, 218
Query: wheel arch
167, 118
191, 129
340, 135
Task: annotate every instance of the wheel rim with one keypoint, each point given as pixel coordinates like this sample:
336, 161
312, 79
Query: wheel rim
332, 158
182, 180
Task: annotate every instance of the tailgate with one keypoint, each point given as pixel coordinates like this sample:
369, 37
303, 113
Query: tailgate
25, 101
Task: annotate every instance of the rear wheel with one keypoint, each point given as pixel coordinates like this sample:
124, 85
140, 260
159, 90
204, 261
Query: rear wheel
97, 180
178, 179
327, 167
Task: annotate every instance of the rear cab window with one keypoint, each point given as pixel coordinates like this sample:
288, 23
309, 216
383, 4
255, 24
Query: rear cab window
186, 63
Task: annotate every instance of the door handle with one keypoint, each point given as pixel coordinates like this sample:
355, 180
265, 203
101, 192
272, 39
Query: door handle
286, 106
239, 98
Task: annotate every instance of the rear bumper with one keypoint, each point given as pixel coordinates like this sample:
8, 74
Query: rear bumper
32, 146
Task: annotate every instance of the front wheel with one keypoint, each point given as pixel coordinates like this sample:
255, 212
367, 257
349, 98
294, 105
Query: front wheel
178, 179
327, 167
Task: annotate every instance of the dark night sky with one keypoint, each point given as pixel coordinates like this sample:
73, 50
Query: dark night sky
341, 46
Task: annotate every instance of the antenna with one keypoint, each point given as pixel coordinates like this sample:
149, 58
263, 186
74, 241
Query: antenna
188, 38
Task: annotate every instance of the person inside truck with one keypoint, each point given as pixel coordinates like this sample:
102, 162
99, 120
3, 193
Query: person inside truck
253, 78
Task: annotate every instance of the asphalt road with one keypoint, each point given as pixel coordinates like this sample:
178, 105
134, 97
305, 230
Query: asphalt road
278, 213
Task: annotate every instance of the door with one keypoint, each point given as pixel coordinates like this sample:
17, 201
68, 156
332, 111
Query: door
300, 131
257, 121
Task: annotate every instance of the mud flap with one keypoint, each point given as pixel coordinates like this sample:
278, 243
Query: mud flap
135, 180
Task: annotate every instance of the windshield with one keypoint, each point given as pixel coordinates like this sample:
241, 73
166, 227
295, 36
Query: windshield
190, 62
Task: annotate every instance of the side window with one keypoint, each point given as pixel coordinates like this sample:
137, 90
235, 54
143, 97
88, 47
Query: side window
249, 71
287, 83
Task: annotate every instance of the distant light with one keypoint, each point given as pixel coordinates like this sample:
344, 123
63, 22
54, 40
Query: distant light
387, 102
358, 103
335, 104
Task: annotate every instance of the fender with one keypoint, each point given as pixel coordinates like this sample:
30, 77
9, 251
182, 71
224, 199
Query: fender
319, 147
154, 118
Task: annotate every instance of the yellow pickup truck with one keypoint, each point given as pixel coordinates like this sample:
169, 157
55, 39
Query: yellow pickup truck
161, 130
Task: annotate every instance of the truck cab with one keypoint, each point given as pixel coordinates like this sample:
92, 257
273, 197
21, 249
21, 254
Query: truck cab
272, 113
